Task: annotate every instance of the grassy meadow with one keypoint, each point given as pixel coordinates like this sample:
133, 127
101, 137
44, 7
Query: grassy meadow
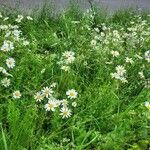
79, 80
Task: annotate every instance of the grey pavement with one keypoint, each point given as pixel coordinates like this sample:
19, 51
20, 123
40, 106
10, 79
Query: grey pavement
59, 5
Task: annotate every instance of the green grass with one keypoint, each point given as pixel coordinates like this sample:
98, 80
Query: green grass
110, 115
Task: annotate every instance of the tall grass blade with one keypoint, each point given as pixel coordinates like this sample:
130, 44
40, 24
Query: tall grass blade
4, 139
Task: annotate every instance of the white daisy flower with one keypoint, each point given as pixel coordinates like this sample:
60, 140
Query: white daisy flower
16, 95
29, 18
65, 68
47, 91
25, 43
19, 18
72, 94
96, 29
16, 34
108, 62
7, 46
43, 70
4, 71
93, 43
104, 27
64, 102
65, 140
115, 75
120, 70
38, 97
129, 60
69, 57
115, 53
6, 18
74, 104
75, 22
141, 74
14, 26
147, 105
123, 80
3, 27
102, 34
7, 34
97, 37
67, 54
70, 60
53, 85
147, 56
10, 44
65, 112
51, 105
10, 62
147, 83
58, 102
5, 82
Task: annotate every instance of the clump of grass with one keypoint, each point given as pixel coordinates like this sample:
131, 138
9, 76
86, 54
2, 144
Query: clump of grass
103, 64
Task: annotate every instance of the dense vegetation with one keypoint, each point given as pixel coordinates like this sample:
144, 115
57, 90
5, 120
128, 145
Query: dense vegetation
76, 81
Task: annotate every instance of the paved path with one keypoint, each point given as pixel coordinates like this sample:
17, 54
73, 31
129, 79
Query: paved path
59, 5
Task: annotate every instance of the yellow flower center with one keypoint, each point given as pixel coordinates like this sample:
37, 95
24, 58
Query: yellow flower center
10, 62
5, 49
46, 92
39, 97
17, 94
50, 105
72, 94
65, 113
148, 107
